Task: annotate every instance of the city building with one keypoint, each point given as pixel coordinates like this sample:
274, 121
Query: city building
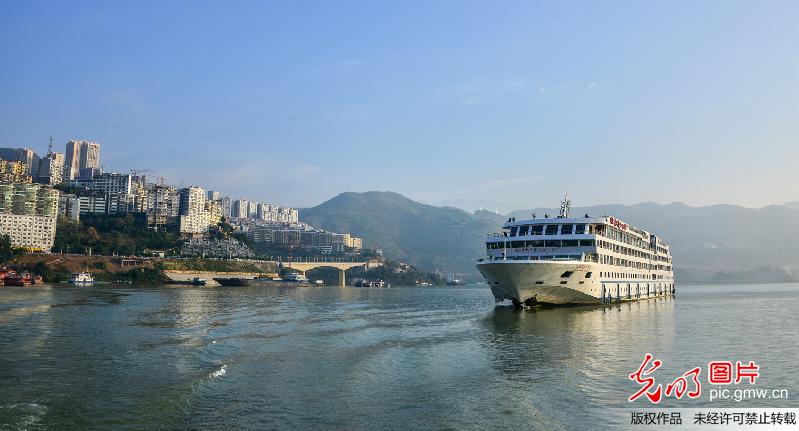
163, 204
13, 172
197, 214
81, 155
212, 195
51, 169
227, 204
24, 155
69, 206
303, 236
111, 193
240, 209
28, 215
105, 183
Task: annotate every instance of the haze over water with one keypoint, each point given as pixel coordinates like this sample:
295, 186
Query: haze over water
350, 358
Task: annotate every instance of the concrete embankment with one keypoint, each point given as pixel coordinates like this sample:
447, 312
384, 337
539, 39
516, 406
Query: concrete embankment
185, 277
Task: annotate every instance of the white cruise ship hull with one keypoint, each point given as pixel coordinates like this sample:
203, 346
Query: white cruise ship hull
562, 282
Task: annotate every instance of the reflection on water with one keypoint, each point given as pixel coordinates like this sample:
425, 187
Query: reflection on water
361, 358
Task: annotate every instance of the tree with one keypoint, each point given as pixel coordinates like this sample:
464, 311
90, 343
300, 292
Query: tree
7, 251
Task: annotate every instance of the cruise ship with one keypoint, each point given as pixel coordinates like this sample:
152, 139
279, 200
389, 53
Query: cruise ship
575, 260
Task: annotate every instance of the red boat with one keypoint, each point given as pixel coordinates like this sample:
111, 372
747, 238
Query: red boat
18, 280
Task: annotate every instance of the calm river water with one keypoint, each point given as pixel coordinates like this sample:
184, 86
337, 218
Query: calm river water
351, 358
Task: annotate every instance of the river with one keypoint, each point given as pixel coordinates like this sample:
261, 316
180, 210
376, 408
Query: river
353, 358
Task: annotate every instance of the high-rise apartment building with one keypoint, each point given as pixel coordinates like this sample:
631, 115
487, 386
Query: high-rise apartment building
240, 208
197, 214
28, 215
24, 155
13, 172
163, 203
51, 169
81, 156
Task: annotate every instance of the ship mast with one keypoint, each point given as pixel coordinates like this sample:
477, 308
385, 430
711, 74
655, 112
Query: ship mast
565, 206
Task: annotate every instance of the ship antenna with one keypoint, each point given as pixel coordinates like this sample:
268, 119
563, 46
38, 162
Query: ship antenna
565, 206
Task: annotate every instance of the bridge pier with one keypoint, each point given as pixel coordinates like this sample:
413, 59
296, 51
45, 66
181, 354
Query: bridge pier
342, 282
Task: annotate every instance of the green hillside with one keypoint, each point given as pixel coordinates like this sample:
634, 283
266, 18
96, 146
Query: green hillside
432, 237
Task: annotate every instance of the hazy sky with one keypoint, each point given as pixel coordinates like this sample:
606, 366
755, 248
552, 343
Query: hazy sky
294, 102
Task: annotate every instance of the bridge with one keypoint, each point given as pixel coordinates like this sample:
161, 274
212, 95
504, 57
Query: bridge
341, 265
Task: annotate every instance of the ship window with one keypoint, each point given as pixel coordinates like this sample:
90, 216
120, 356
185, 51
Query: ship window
569, 243
552, 243
579, 229
513, 230
537, 243
552, 229
586, 242
566, 229
523, 230
517, 244
536, 229
545, 258
588, 274
567, 274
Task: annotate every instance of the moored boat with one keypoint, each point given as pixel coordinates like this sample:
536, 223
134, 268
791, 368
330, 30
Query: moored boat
81, 279
24, 279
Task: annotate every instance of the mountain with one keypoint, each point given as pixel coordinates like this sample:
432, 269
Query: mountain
479, 205
712, 243
706, 241
432, 237
794, 205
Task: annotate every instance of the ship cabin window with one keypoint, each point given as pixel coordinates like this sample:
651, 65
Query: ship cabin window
588, 274
538, 243
552, 229
587, 243
517, 244
567, 257
523, 230
566, 229
569, 243
579, 229
552, 243
536, 229
513, 230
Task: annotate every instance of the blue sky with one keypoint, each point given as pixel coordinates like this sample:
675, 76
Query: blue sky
295, 102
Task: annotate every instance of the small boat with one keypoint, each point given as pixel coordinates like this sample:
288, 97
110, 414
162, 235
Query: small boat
197, 281
81, 279
371, 283
318, 283
234, 281
295, 277
24, 279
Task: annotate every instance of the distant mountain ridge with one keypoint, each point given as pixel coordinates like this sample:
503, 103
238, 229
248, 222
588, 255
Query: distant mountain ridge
712, 243
432, 237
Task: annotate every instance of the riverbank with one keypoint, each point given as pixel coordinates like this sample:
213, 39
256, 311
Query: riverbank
55, 268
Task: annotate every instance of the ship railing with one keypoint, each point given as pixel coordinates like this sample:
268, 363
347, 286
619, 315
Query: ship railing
495, 234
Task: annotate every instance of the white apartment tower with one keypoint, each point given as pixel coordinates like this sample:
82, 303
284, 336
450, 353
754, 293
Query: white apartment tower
80, 155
